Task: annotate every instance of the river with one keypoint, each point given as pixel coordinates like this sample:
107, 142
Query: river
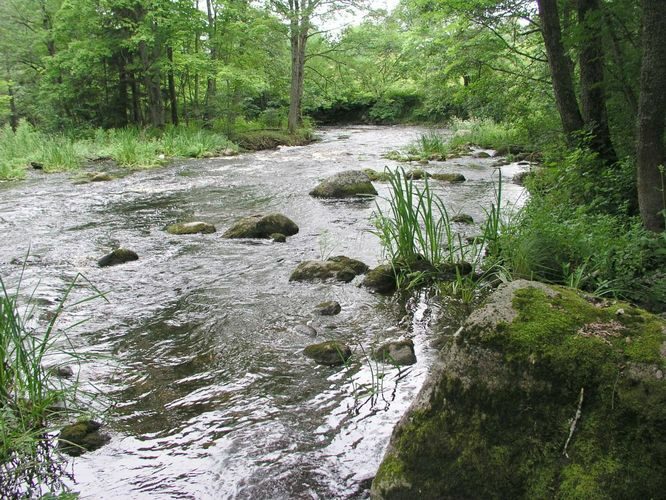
197, 351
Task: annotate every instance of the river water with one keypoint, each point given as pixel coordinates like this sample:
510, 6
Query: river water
197, 353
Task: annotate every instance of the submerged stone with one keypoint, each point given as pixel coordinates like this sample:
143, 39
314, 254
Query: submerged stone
462, 219
75, 439
399, 353
99, 177
539, 396
304, 329
328, 308
262, 226
278, 238
191, 228
331, 353
453, 177
118, 256
344, 185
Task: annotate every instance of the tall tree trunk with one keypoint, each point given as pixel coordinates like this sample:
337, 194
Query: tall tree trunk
299, 27
560, 68
651, 114
122, 99
593, 100
13, 113
137, 116
172, 88
152, 82
211, 84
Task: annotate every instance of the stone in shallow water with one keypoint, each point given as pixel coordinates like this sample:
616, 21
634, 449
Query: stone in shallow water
463, 219
453, 177
75, 439
344, 185
328, 308
191, 228
262, 226
399, 352
118, 256
331, 353
381, 279
339, 268
278, 238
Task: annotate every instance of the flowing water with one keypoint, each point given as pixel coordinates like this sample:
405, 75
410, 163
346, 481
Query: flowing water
198, 348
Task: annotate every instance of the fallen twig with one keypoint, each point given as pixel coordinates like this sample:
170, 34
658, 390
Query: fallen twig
573, 424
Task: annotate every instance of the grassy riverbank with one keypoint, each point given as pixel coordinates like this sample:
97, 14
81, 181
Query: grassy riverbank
133, 148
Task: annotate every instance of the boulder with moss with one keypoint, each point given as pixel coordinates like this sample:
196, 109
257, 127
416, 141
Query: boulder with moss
196, 227
376, 176
448, 177
345, 185
382, 279
85, 435
262, 226
399, 353
544, 393
331, 353
339, 268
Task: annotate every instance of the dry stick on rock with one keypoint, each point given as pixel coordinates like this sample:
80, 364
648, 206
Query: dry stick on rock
573, 424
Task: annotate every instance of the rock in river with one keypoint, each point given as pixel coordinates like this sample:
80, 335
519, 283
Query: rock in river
191, 228
381, 279
331, 353
328, 308
262, 226
344, 185
400, 352
339, 268
118, 256
540, 395
75, 439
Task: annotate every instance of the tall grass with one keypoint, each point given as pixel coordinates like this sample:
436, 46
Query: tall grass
31, 398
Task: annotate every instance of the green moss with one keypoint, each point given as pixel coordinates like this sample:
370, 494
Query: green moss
500, 414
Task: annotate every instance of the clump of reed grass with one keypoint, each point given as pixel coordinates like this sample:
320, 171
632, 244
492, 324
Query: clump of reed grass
32, 397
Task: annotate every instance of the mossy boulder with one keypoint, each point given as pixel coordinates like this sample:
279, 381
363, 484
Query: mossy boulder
331, 353
262, 226
99, 177
337, 268
75, 439
278, 238
345, 185
448, 177
400, 352
417, 174
118, 256
545, 393
196, 227
381, 279
328, 308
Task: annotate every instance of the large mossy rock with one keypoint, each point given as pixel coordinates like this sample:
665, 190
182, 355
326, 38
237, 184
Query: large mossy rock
344, 185
196, 227
496, 411
262, 226
399, 353
381, 279
339, 268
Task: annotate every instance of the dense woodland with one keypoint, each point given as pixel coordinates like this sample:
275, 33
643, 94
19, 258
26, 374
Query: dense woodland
580, 84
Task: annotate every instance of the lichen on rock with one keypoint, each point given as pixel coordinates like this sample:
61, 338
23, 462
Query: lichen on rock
496, 411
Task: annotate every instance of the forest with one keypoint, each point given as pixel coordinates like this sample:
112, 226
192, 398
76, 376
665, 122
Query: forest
574, 88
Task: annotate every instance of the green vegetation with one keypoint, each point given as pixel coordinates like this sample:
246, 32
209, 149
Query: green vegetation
33, 397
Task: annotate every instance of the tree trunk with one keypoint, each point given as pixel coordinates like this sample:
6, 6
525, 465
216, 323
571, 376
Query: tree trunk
137, 116
560, 68
13, 113
300, 25
592, 94
122, 99
172, 88
211, 85
152, 80
651, 115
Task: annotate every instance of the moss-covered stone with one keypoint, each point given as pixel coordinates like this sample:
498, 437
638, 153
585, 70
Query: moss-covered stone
345, 185
331, 353
417, 174
451, 177
338, 268
494, 416
328, 308
278, 238
400, 352
99, 177
118, 256
262, 226
191, 228
77, 438
381, 279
